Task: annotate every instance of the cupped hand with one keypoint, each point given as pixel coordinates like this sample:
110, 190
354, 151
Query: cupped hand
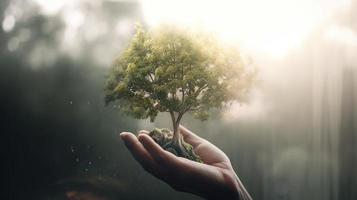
212, 179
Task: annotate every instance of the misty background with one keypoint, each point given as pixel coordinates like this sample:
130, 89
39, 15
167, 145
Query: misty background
295, 139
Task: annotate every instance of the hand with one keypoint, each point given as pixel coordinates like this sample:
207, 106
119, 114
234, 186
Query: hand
213, 179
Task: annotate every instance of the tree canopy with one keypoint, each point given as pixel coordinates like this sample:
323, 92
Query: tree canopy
175, 70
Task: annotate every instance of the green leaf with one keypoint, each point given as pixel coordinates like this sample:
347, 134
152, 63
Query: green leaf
172, 69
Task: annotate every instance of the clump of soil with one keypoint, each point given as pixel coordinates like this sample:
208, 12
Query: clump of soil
164, 137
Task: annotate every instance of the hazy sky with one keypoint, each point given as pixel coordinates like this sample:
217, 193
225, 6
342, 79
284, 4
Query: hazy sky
272, 27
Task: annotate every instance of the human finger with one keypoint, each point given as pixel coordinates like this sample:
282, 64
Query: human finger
161, 156
190, 137
138, 151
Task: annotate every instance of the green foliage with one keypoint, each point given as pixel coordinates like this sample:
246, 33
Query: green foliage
173, 70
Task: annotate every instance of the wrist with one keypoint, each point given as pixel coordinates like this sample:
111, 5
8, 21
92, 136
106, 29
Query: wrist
228, 189
233, 185
241, 191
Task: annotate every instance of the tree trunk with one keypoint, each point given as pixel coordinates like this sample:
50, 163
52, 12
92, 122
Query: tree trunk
177, 136
175, 125
177, 145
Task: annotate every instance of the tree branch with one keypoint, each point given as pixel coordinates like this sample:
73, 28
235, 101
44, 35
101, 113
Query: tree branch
199, 90
179, 117
152, 79
183, 95
172, 114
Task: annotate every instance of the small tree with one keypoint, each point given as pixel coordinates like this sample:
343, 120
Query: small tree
173, 70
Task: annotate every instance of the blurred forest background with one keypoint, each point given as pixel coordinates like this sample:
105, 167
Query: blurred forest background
296, 139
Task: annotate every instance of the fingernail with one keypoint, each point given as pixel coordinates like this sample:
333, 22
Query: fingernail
123, 134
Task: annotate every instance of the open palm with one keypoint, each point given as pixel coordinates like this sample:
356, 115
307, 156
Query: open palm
212, 179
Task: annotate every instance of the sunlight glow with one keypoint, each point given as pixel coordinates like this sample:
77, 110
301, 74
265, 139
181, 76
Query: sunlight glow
125, 27
272, 27
8, 23
257, 109
342, 35
54, 6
